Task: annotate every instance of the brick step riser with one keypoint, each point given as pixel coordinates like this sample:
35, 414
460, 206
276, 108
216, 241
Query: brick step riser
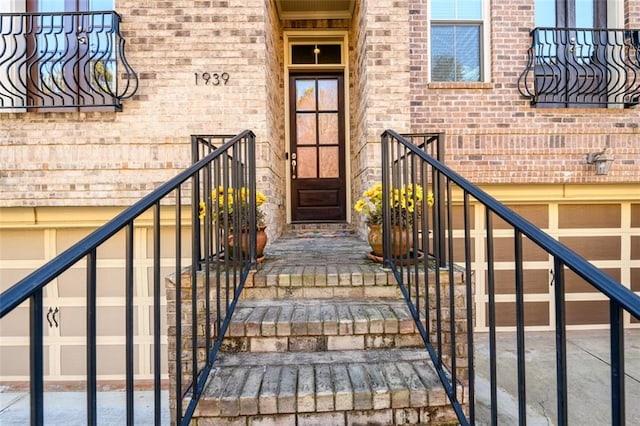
377, 393
321, 343
393, 416
349, 285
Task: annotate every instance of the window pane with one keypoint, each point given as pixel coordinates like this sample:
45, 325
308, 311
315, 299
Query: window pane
443, 9
305, 95
101, 5
545, 13
303, 54
329, 54
306, 129
307, 160
469, 9
456, 9
455, 52
584, 14
50, 6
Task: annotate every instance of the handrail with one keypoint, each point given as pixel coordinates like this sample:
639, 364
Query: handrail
64, 60
229, 274
435, 311
582, 66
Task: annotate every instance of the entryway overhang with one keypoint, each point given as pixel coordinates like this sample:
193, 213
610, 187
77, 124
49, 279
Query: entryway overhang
315, 9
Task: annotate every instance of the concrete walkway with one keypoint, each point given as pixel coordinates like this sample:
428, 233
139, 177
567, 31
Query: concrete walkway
69, 408
588, 376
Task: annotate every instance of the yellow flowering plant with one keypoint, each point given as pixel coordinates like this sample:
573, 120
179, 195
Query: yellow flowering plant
229, 200
403, 202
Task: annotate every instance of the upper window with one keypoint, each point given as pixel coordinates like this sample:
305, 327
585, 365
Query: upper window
457, 40
316, 54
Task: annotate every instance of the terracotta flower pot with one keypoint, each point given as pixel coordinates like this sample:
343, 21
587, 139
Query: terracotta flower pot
261, 242
401, 240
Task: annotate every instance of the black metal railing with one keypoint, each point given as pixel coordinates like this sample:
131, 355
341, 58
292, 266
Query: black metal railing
205, 295
63, 60
582, 67
443, 307
434, 145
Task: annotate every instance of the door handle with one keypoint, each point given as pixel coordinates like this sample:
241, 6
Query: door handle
293, 169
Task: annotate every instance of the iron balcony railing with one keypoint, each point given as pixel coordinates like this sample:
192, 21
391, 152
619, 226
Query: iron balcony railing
582, 67
444, 311
205, 295
63, 60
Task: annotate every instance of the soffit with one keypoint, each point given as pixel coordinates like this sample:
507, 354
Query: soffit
315, 9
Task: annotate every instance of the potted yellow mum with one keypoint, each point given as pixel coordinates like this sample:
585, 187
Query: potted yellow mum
227, 200
403, 202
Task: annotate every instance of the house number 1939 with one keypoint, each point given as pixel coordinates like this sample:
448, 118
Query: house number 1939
212, 79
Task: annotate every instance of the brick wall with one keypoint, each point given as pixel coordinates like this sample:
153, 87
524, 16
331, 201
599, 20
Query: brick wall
358, 95
495, 136
110, 158
272, 176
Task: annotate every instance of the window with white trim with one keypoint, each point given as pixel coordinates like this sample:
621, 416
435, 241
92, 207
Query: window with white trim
456, 40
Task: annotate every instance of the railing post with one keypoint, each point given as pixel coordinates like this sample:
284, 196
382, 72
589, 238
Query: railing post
561, 342
251, 168
520, 341
617, 365
92, 416
440, 206
37, 358
129, 322
386, 219
195, 201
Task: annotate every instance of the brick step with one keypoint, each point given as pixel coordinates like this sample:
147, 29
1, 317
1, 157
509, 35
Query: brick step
364, 279
320, 324
377, 387
315, 230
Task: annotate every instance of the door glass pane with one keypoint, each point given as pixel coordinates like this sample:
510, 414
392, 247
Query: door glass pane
328, 99
307, 160
545, 13
305, 95
306, 129
329, 162
328, 124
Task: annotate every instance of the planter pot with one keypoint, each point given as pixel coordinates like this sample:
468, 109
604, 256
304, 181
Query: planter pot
261, 242
401, 240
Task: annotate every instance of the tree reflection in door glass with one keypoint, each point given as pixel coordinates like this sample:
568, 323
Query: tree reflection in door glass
305, 95
306, 129
328, 99
307, 160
